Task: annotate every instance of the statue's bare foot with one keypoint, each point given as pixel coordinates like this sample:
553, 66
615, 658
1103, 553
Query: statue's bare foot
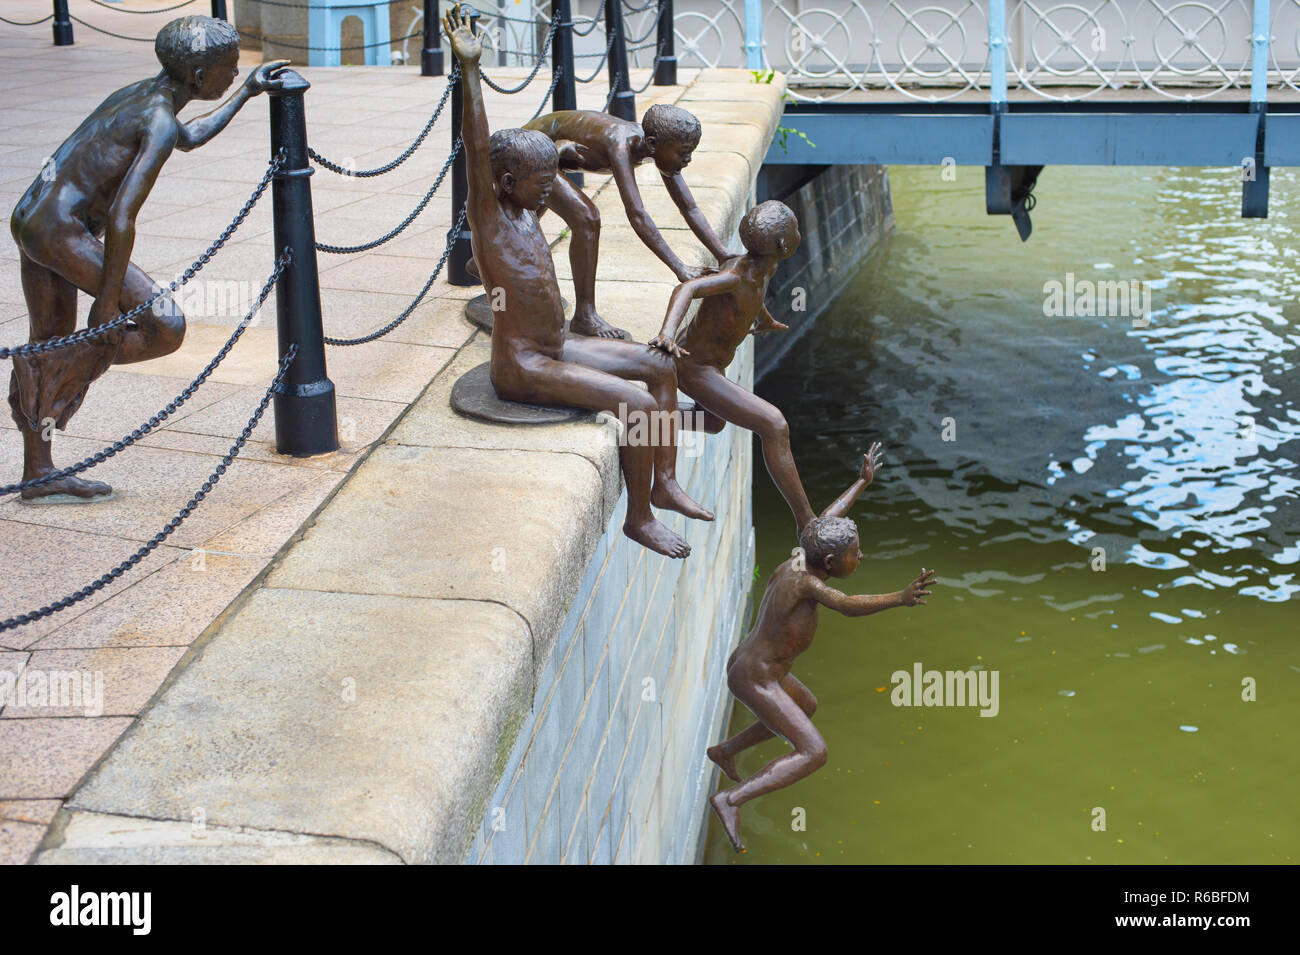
73, 486
724, 760
593, 326
729, 816
658, 538
668, 494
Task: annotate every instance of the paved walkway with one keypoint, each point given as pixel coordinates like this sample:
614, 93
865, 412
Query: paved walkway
137, 631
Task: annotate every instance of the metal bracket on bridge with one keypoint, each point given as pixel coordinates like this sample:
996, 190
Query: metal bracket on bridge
1254, 174
1009, 190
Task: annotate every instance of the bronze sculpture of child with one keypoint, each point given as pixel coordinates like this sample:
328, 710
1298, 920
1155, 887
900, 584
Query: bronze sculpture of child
510, 176
731, 307
75, 229
758, 671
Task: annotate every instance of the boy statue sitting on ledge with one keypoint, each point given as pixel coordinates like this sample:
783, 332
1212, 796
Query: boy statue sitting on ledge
510, 176
731, 307
758, 672
90, 190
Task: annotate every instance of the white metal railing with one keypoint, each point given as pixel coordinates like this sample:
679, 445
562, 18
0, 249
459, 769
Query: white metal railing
932, 50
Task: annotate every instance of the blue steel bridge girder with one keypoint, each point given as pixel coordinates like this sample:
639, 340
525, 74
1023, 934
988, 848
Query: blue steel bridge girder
1022, 135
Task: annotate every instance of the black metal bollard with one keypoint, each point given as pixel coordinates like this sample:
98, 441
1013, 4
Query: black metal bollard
62, 24
666, 49
623, 102
461, 250
566, 92
306, 421
219, 10
431, 51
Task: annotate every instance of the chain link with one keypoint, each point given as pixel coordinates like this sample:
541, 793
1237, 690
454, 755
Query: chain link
428, 196
116, 9
99, 457
51, 344
389, 167
452, 235
213, 479
546, 46
26, 23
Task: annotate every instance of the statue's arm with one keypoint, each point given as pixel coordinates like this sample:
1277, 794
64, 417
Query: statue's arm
851, 605
119, 231
679, 303
199, 130
481, 207
645, 228
681, 194
870, 465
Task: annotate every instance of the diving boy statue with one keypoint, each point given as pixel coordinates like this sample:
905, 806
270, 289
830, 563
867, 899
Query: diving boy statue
731, 307
758, 671
75, 229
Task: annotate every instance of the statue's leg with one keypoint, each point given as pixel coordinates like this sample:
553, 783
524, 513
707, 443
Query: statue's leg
659, 429
583, 219
724, 754
45, 390
717, 393
575, 385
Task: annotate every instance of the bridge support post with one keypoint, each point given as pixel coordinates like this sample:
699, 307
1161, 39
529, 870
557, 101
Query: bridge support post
1254, 172
753, 34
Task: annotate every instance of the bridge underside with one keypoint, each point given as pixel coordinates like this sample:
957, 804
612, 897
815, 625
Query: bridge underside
1013, 144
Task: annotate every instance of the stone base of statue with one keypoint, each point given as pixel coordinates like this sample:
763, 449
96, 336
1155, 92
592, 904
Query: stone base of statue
474, 397
478, 311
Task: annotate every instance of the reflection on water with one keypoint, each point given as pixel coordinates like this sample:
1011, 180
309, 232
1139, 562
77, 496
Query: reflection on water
1112, 510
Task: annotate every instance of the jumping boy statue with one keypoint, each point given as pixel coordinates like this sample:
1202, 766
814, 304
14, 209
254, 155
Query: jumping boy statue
75, 229
758, 672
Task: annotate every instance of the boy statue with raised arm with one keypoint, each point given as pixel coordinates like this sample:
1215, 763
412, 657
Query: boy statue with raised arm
510, 176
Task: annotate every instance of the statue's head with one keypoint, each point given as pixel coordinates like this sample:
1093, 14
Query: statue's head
831, 544
201, 52
671, 135
524, 166
770, 228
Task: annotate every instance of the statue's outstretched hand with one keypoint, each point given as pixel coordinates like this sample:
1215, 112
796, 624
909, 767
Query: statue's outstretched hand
666, 344
918, 589
871, 462
266, 76
465, 42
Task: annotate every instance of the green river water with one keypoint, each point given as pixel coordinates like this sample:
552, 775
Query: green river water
1172, 448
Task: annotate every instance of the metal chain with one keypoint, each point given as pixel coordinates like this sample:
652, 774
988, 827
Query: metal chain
555, 79
116, 9
452, 235
613, 90
389, 167
641, 9
212, 481
315, 49
50, 344
428, 196
599, 66
26, 23
600, 13
116, 36
99, 457
546, 46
